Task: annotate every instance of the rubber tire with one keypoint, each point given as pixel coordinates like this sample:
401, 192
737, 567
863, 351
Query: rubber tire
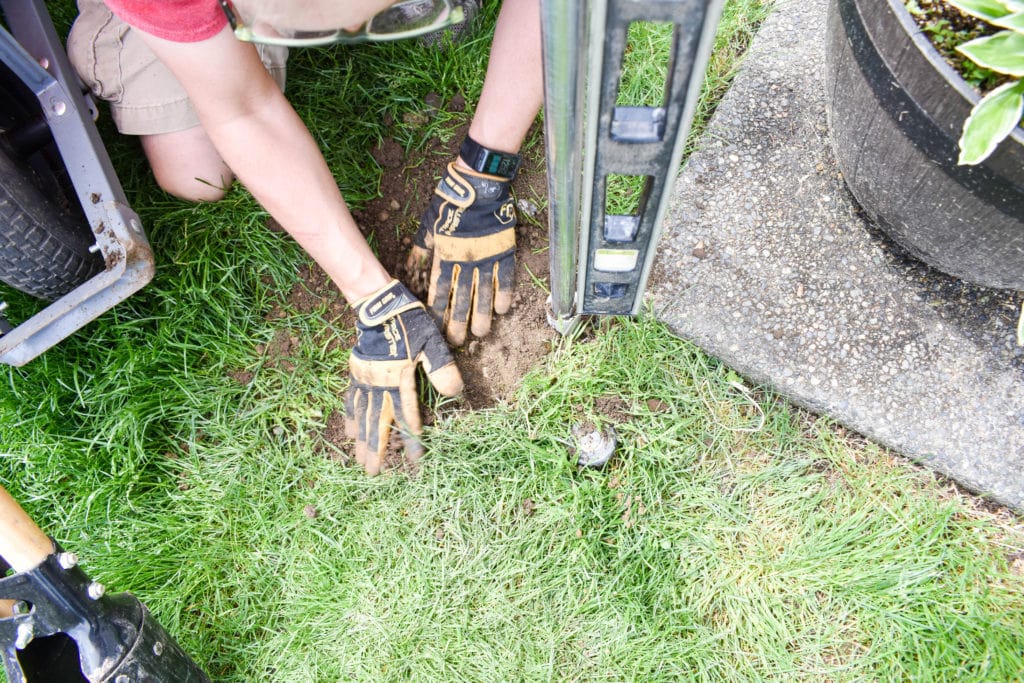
43, 252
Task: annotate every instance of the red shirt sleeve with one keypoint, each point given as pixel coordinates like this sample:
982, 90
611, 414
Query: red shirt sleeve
181, 21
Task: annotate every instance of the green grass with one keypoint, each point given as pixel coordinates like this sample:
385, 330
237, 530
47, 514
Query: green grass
733, 538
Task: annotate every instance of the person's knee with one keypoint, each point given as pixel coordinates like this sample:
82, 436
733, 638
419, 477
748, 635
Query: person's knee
190, 187
186, 165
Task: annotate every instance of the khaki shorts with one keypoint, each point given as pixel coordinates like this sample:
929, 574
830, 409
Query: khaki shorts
115, 63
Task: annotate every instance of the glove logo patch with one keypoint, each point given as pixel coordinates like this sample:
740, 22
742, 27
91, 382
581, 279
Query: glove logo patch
448, 220
392, 335
506, 214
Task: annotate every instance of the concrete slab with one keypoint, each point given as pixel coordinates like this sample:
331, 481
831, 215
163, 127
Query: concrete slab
768, 265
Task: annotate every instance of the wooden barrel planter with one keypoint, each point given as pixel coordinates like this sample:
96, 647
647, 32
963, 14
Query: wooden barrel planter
895, 111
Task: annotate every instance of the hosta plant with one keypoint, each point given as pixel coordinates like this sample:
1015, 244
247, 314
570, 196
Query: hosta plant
1000, 110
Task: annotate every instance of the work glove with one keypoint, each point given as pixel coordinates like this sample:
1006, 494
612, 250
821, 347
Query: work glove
395, 334
470, 227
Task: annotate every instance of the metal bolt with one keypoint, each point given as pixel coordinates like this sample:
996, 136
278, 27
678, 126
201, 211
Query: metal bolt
58, 107
122, 678
67, 560
158, 648
24, 637
96, 590
94, 248
44, 62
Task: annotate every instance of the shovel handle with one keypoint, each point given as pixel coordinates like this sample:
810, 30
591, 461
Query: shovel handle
22, 544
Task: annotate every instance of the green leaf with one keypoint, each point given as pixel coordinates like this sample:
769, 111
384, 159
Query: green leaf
991, 120
1013, 21
983, 9
1002, 52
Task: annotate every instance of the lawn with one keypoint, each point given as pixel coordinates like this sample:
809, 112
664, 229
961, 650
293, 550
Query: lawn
732, 538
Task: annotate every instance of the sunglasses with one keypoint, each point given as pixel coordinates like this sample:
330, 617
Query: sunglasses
405, 19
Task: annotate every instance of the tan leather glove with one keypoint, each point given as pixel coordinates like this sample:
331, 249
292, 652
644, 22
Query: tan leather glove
470, 227
395, 334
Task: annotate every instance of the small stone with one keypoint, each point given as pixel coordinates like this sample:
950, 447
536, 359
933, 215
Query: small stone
700, 250
394, 205
527, 207
310, 511
383, 216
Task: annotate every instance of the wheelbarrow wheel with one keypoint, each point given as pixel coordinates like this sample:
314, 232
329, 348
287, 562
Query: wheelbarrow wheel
43, 251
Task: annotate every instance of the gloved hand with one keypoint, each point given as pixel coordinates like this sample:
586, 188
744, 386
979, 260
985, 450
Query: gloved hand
395, 333
470, 226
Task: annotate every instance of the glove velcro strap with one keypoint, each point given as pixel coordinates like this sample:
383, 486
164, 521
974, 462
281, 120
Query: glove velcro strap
378, 373
455, 188
470, 249
384, 304
463, 187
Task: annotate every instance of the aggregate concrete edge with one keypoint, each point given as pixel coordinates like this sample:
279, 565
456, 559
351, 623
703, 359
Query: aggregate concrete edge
766, 264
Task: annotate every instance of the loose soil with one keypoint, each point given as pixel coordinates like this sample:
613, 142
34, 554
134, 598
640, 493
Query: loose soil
491, 367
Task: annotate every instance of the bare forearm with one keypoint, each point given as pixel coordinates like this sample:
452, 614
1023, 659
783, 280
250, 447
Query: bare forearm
514, 88
272, 153
265, 143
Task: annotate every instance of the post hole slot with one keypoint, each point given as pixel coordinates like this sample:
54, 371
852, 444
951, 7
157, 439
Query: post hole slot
646, 61
626, 195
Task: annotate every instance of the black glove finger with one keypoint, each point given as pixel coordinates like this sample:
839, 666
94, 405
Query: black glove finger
360, 399
483, 299
440, 366
380, 416
407, 415
441, 282
504, 282
462, 300
351, 396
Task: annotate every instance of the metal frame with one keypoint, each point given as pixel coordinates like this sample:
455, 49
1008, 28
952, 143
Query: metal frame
589, 138
34, 53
